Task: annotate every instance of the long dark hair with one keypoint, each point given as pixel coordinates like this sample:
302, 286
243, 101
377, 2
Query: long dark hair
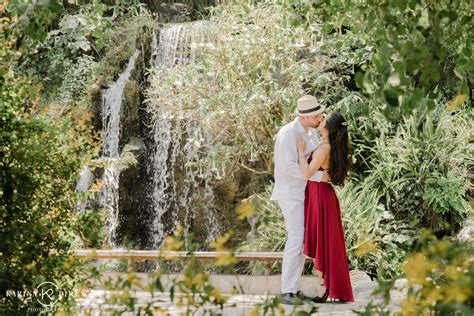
340, 160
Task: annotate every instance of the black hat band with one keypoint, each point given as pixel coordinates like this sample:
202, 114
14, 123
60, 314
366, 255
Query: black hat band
310, 110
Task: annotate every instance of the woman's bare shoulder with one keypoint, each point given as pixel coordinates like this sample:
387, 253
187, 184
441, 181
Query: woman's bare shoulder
325, 147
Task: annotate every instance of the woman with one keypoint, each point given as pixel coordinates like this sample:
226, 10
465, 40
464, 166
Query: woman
324, 235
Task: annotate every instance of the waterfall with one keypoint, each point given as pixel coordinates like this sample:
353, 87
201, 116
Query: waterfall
83, 184
111, 102
111, 105
177, 48
161, 178
177, 44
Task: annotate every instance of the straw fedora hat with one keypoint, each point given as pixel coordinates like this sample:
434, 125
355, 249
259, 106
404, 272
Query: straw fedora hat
307, 105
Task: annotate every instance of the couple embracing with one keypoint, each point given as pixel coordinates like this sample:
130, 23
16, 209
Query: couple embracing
305, 167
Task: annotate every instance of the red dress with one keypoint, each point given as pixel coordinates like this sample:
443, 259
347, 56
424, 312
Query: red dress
324, 239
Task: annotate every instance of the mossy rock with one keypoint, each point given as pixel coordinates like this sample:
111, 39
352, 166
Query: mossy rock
131, 153
130, 116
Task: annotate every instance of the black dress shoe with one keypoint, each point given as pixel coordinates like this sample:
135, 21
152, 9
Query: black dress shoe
301, 295
290, 299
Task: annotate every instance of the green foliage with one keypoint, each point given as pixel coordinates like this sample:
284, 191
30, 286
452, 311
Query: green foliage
32, 18
69, 47
367, 124
423, 169
38, 171
191, 292
64, 55
375, 242
267, 230
39, 161
76, 78
126, 8
437, 279
421, 48
236, 91
128, 34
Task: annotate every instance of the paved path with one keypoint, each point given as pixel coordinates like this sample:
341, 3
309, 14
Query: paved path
95, 301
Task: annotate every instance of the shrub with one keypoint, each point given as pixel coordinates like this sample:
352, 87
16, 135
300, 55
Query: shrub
375, 242
424, 169
242, 86
437, 279
38, 165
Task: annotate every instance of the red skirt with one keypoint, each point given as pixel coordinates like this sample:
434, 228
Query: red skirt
324, 239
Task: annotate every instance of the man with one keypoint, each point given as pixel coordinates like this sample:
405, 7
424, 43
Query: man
289, 190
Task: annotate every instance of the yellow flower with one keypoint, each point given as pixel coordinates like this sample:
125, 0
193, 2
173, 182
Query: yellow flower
225, 259
179, 230
30, 265
441, 246
417, 269
409, 306
451, 273
131, 277
253, 313
173, 244
281, 309
97, 186
365, 248
245, 210
199, 279
219, 243
456, 294
457, 101
433, 295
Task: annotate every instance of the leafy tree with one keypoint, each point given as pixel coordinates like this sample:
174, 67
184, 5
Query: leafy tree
38, 167
421, 49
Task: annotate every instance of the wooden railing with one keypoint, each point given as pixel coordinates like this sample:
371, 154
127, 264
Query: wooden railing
139, 255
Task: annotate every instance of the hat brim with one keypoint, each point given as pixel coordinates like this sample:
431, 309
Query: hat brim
316, 112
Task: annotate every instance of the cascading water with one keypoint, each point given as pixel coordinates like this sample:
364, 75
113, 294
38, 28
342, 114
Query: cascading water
176, 48
161, 178
83, 184
177, 45
111, 104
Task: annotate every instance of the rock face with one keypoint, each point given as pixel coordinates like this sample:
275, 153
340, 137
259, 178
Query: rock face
203, 205
467, 231
132, 195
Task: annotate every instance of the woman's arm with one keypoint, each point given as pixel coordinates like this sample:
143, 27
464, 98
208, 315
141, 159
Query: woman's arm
319, 156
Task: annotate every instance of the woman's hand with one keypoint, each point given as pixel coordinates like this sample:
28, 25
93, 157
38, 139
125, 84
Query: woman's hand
300, 144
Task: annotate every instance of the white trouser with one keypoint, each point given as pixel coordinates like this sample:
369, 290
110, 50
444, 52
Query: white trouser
293, 257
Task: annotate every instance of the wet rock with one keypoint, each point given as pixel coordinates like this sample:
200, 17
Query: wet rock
130, 117
467, 231
95, 97
132, 195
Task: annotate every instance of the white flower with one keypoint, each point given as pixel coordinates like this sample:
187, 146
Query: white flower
394, 80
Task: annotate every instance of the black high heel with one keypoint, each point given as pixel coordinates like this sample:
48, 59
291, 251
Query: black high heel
322, 299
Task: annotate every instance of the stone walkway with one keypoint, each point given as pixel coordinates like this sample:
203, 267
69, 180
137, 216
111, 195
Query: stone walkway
95, 301
236, 305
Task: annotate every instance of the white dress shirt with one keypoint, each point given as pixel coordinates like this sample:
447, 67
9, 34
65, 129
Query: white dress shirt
289, 181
